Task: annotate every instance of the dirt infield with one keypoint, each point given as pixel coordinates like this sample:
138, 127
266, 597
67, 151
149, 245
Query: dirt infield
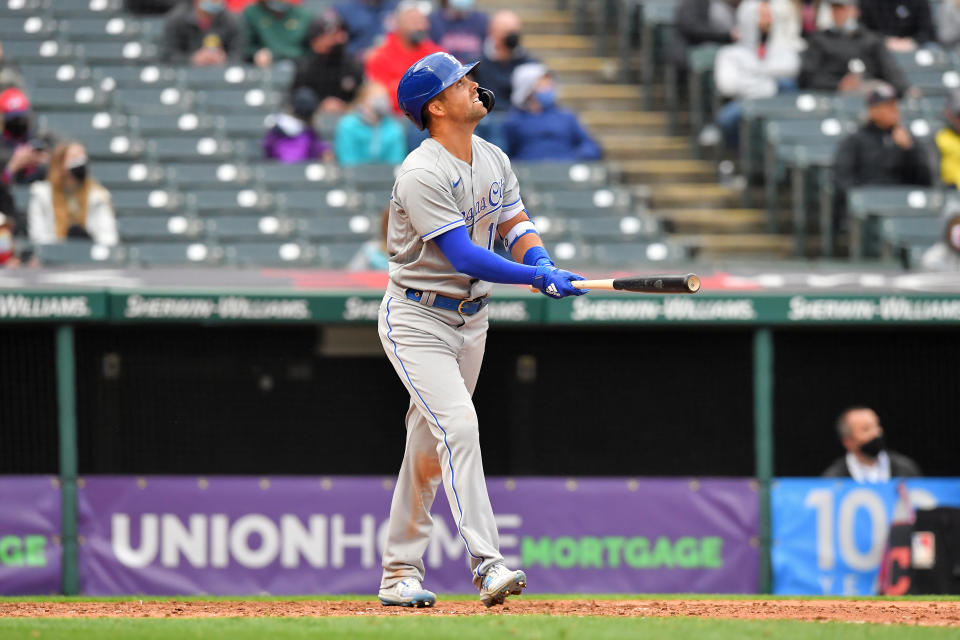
891, 612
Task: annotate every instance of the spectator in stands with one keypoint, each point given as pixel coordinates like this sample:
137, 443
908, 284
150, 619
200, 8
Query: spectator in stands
867, 458
327, 69
948, 141
24, 153
702, 22
459, 29
407, 43
536, 129
502, 53
70, 204
365, 21
292, 137
904, 24
275, 30
762, 63
846, 57
945, 255
10, 74
881, 152
202, 33
948, 23
7, 256
369, 134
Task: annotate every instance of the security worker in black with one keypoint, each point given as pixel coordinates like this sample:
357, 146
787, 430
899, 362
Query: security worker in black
881, 152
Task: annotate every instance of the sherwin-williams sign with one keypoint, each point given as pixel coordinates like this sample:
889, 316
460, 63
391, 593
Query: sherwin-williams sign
241, 535
29, 535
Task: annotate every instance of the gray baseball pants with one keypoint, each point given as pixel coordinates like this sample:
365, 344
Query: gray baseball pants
437, 354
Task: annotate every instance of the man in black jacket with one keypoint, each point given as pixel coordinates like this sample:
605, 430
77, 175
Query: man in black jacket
702, 22
881, 152
843, 57
327, 69
202, 33
867, 458
904, 23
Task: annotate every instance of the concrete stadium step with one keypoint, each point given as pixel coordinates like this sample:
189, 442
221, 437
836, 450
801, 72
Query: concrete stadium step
543, 21
662, 170
713, 220
596, 96
738, 244
693, 196
638, 147
559, 44
582, 68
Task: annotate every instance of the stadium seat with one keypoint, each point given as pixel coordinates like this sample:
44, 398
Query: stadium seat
240, 125
136, 77
899, 234
146, 202
566, 175
81, 98
193, 149
602, 201
84, 8
337, 255
124, 175
628, 253
26, 51
114, 148
56, 75
83, 125
338, 228
157, 228
132, 52
613, 229
230, 202
208, 175
866, 204
173, 124
286, 177
248, 228
99, 29
370, 176
78, 253
24, 8
934, 81
316, 202
154, 101
27, 28
233, 76
239, 100
269, 254
174, 253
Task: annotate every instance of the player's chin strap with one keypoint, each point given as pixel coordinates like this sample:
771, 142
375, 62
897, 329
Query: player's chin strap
487, 98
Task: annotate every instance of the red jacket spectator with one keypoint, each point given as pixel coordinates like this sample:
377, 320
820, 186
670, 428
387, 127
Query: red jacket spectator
402, 47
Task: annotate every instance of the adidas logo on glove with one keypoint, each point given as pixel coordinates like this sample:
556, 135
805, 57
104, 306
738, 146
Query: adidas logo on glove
552, 289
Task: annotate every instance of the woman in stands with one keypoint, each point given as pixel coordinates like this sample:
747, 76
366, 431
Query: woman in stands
70, 204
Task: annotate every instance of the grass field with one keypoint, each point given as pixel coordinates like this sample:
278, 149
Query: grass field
485, 624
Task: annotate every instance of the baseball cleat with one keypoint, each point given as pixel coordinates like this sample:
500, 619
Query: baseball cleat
407, 593
500, 582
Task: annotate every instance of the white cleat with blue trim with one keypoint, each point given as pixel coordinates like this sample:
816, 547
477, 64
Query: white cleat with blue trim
500, 582
407, 593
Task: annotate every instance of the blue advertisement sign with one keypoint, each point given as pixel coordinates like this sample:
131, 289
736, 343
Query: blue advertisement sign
829, 535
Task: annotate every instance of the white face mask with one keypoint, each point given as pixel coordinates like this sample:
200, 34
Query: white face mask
290, 125
460, 5
849, 25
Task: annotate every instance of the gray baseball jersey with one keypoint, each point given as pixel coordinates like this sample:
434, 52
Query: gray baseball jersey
436, 192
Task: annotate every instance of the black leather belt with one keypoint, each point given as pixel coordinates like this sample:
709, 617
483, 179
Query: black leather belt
466, 307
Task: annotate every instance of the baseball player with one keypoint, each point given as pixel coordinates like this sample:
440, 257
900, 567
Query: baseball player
455, 195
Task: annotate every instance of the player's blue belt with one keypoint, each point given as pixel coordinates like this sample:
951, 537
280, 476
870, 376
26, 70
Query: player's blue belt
466, 307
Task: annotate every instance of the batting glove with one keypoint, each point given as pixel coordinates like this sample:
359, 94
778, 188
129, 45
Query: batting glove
555, 282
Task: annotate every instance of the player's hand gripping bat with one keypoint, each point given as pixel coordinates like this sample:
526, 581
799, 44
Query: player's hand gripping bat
689, 283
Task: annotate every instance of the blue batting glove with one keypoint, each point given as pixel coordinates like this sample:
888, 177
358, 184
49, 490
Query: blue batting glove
555, 282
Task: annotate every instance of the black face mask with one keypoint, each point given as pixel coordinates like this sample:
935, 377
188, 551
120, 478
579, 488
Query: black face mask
416, 37
512, 40
79, 172
17, 127
873, 448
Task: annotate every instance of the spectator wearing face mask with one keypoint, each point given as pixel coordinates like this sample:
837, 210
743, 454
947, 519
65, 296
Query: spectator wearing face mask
408, 42
275, 30
459, 29
368, 134
948, 142
365, 21
327, 69
536, 129
292, 137
24, 153
845, 57
70, 204
867, 459
904, 24
202, 33
764, 62
502, 53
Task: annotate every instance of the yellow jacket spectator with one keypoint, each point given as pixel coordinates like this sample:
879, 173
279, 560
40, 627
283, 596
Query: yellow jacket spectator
948, 142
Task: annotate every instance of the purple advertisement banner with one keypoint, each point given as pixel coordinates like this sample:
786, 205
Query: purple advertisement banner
30, 549
295, 535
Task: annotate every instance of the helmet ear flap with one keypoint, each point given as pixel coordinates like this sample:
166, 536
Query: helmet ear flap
487, 98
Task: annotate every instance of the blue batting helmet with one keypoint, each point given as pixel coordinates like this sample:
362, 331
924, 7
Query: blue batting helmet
425, 79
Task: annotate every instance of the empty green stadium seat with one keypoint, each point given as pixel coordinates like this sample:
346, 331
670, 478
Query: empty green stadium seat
130, 52
285, 177
154, 101
231, 202
333, 228
84, 124
114, 148
239, 100
77, 253
31, 27
173, 124
157, 228
232, 76
269, 254
199, 175
136, 77
248, 228
613, 229
173, 253
56, 75
317, 201
565, 175
81, 98
370, 176
190, 148
626, 253
146, 202
338, 255
242, 125
25, 51
127, 175
866, 205
84, 8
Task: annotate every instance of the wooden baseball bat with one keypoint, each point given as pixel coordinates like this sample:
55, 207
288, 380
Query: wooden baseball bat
689, 283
